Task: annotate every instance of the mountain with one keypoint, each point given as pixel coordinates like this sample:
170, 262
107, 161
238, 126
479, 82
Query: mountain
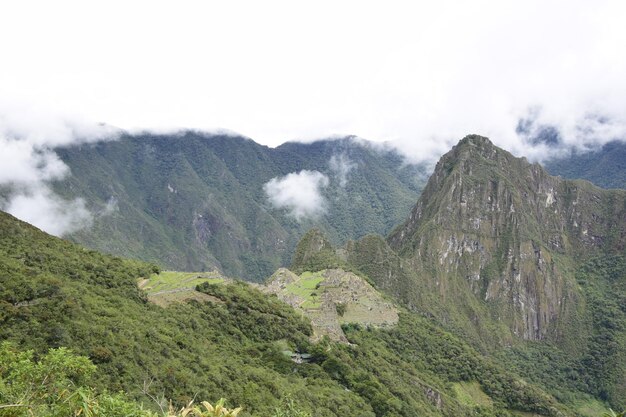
605, 167
234, 341
502, 294
509, 257
193, 201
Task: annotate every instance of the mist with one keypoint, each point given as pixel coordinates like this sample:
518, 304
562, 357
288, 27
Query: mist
29, 166
341, 165
415, 76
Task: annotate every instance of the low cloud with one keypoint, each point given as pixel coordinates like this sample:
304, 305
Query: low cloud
341, 165
28, 165
298, 193
46, 210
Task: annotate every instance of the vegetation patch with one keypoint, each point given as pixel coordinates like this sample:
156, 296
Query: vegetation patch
470, 393
169, 287
175, 280
591, 408
306, 287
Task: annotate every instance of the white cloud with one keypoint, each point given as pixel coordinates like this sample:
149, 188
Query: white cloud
42, 208
298, 193
28, 165
419, 74
341, 165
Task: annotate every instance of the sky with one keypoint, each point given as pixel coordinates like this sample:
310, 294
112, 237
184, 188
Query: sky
420, 75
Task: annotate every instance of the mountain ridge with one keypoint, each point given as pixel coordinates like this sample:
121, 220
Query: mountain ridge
194, 201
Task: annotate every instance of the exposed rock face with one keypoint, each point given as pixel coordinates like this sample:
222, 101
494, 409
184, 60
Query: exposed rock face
494, 231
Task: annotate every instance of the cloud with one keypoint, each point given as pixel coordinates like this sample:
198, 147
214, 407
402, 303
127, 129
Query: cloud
110, 207
42, 208
341, 165
298, 193
419, 75
28, 165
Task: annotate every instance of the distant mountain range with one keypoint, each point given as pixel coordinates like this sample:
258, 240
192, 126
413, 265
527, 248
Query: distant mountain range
193, 201
605, 167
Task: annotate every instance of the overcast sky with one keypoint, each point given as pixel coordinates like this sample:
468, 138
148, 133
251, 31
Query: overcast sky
275, 71
419, 75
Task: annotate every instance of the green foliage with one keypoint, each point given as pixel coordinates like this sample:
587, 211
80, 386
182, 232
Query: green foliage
441, 358
600, 366
55, 385
341, 309
603, 366
54, 293
207, 410
289, 408
315, 253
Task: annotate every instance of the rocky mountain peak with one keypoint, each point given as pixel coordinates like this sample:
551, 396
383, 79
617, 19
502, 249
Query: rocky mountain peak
475, 141
495, 225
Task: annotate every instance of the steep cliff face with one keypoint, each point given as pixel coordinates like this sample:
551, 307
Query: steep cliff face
492, 231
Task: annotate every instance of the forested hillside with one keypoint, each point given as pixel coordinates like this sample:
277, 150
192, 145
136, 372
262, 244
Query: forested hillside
193, 201
605, 167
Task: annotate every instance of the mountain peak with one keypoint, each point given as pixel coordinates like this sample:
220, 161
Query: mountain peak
475, 140
314, 253
476, 146
498, 223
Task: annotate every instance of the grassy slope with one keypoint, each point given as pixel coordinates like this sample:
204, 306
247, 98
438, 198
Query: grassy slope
54, 293
175, 280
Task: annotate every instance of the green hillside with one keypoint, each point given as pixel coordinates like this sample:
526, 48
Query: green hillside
56, 294
196, 202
